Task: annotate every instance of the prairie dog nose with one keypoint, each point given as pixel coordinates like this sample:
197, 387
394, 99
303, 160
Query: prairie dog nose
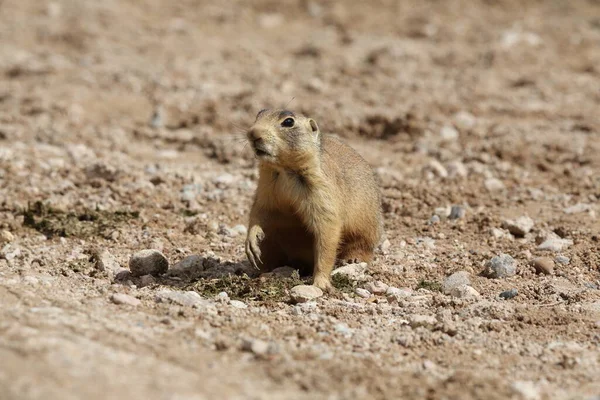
254, 135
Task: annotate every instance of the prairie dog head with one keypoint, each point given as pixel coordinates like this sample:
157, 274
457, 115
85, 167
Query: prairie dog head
283, 138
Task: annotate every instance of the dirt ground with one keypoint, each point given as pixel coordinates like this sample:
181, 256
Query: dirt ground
122, 128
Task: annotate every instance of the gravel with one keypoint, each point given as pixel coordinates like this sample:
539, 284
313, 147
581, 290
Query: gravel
305, 293
125, 299
502, 266
543, 265
519, 227
148, 262
418, 320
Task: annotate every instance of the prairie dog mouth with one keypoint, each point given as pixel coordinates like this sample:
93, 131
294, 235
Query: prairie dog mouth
260, 150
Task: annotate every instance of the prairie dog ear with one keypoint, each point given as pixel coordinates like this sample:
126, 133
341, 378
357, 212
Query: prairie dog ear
313, 126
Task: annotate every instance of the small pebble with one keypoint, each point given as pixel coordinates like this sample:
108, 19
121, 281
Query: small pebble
304, 293
502, 266
448, 133
455, 280
125, 299
385, 246
256, 346
562, 260
376, 287
284, 272
189, 299
364, 293
238, 304
6, 237
555, 244
417, 320
353, 272
148, 262
396, 294
519, 227
457, 212
464, 292
493, 185
193, 263
509, 294
543, 265
434, 220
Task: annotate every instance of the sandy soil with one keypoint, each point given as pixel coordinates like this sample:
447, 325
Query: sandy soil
122, 128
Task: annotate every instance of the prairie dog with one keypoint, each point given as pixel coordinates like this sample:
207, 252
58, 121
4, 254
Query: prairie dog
317, 199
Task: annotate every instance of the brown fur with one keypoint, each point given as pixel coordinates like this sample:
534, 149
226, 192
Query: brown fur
317, 199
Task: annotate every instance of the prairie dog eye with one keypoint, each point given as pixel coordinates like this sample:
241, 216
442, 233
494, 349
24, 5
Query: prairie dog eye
288, 122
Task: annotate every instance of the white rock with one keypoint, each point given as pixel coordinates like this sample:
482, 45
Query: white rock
305, 293
6, 237
457, 169
437, 168
148, 262
555, 244
364, 293
396, 294
448, 133
494, 185
352, 271
455, 280
238, 304
465, 119
125, 299
578, 208
385, 246
418, 320
376, 287
105, 261
188, 299
463, 292
256, 346
519, 227
240, 230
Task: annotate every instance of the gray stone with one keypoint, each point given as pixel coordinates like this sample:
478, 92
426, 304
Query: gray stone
455, 280
502, 266
562, 260
190, 264
457, 212
509, 294
304, 293
148, 262
147, 280
125, 299
364, 293
519, 227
